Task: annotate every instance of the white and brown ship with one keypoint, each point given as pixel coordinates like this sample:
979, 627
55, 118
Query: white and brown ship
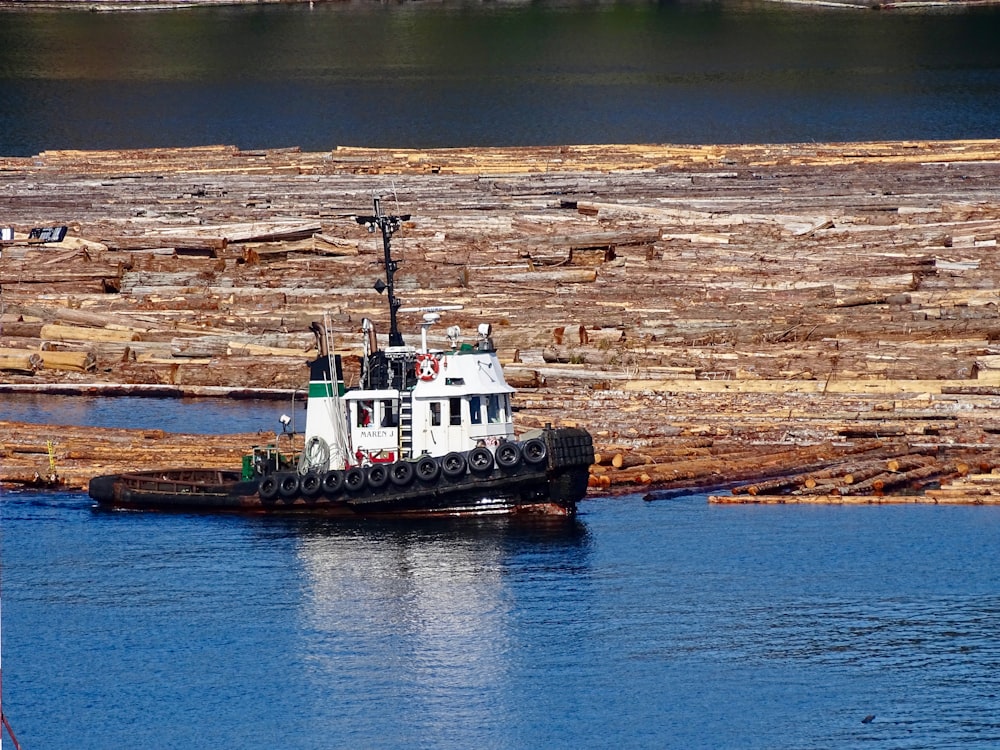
426, 433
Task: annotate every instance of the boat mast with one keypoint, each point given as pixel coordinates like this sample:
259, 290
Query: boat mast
387, 225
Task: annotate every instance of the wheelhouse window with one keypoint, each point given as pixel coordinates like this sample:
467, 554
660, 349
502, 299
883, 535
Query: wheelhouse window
390, 417
455, 411
435, 407
494, 409
366, 413
476, 409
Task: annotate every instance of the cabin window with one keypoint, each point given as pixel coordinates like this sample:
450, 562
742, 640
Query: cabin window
435, 413
366, 411
476, 410
493, 410
455, 411
390, 417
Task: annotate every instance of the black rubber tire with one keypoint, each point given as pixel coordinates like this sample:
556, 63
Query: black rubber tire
268, 487
401, 473
453, 465
428, 469
534, 451
377, 476
480, 460
354, 479
288, 486
508, 455
333, 482
311, 484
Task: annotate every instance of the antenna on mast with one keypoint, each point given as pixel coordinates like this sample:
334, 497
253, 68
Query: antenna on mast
387, 225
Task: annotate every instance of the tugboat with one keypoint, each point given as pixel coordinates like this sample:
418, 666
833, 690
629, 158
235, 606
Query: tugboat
426, 433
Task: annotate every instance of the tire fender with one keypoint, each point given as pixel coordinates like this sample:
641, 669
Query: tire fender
534, 451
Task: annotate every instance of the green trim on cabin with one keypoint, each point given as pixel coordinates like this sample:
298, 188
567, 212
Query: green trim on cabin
324, 389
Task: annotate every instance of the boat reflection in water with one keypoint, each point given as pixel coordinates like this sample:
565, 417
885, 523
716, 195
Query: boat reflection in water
434, 607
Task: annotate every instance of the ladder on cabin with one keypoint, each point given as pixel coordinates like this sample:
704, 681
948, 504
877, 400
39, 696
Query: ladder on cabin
405, 426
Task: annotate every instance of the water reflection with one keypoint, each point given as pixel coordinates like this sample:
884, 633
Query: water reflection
430, 605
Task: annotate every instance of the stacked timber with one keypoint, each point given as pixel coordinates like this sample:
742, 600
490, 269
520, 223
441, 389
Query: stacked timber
785, 305
971, 489
66, 456
876, 479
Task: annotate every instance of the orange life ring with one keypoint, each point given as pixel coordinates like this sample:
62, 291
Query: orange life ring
427, 366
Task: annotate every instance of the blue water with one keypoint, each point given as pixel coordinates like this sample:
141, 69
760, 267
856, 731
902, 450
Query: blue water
460, 74
670, 624
199, 416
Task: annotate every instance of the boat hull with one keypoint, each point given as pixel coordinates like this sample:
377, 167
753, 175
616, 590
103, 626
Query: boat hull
548, 479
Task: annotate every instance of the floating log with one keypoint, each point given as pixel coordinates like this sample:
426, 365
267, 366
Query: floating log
628, 460
45, 275
21, 329
880, 430
59, 332
755, 465
931, 497
71, 361
211, 246
860, 300
561, 276
25, 363
520, 377
763, 488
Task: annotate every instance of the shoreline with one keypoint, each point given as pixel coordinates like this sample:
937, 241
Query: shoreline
133, 6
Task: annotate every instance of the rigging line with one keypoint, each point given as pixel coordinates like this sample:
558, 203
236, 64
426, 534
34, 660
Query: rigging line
329, 349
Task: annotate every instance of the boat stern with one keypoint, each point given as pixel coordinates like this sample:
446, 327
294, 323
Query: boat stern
102, 488
571, 454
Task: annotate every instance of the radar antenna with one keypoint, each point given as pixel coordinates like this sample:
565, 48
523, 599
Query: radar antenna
387, 225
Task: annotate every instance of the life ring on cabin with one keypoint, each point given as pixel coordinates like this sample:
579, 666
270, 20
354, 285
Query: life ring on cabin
427, 367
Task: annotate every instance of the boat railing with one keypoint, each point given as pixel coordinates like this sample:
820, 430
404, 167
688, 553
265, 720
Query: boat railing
184, 481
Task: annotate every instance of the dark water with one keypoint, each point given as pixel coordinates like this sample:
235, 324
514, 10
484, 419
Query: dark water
495, 74
670, 624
